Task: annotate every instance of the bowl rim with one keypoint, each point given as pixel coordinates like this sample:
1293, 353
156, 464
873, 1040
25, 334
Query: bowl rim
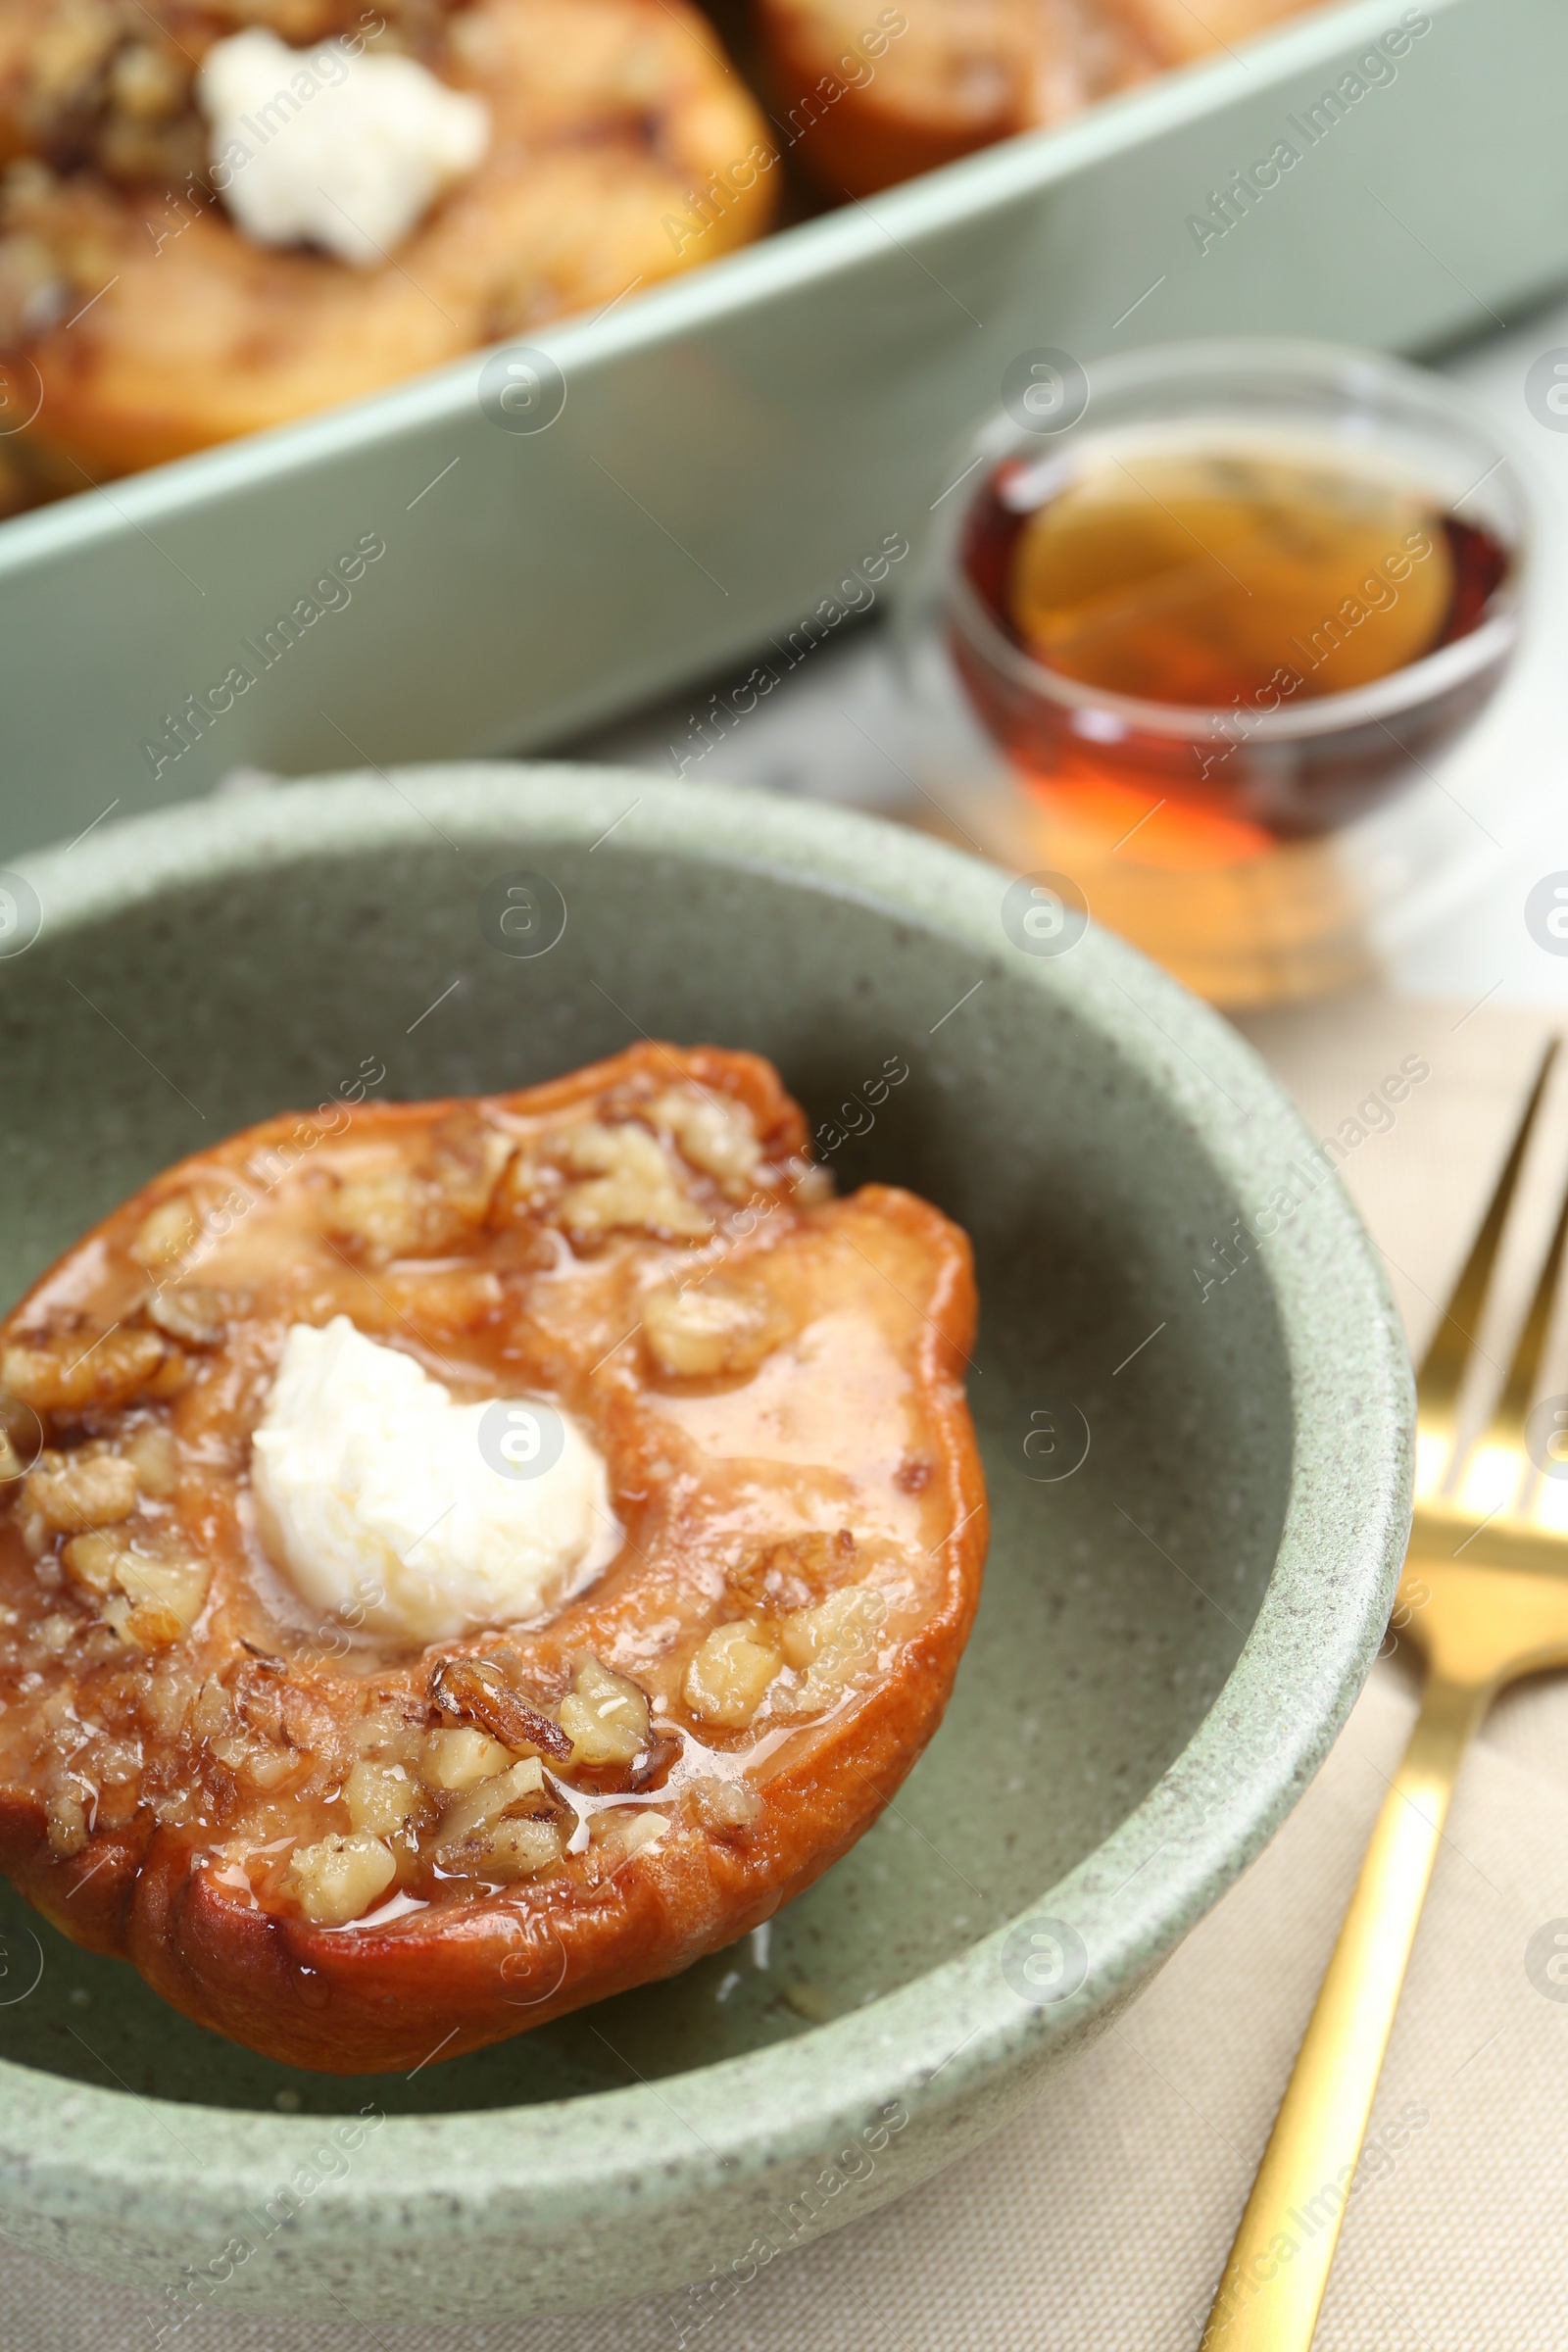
934, 2043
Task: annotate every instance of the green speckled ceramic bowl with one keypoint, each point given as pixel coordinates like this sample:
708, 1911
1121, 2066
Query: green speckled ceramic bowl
1175, 1622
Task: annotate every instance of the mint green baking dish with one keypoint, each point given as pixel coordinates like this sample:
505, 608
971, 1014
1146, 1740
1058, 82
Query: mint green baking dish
736, 444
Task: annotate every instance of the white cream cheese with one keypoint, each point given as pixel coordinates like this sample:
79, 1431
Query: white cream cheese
392, 1507
330, 148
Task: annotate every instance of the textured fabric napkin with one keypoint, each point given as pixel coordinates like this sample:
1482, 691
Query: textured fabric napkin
1099, 2221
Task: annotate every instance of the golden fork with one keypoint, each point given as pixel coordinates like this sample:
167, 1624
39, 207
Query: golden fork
1484, 1598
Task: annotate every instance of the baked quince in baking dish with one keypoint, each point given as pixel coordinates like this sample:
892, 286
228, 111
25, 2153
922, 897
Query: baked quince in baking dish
929, 81
467, 1558
224, 214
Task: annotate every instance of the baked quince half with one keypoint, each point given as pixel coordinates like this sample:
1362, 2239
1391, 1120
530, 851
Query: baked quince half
222, 216
467, 1558
867, 104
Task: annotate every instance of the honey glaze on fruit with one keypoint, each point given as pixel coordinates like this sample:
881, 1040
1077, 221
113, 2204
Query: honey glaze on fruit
767, 1473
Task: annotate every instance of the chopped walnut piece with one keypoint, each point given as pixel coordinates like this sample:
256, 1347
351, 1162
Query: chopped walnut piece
379, 1215
90, 1561
629, 1832
379, 1798
106, 1370
831, 1643
478, 1687
492, 1797
520, 1849
147, 83
116, 1763
159, 1601
458, 1759
604, 1715
466, 1158
712, 1328
263, 1767
150, 1451
168, 1233
191, 1312
723, 1804
728, 1677
72, 47
71, 1492
792, 1572
213, 1711
716, 1133
633, 1186
340, 1877
387, 1735
165, 1699
67, 1816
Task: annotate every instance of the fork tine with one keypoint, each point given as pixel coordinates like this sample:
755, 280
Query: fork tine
1497, 1466
1508, 1425
1443, 1369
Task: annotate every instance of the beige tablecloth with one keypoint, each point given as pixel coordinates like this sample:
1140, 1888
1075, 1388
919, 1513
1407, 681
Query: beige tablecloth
1099, 2222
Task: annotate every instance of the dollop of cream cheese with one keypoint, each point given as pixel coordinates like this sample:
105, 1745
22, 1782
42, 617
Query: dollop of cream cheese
325, 147
390, 1506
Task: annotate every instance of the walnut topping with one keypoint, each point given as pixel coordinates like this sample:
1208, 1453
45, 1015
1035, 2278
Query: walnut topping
164, 1699
523, 1849
629, 1832
379, 1798
633, 1186
723, 1804
466, 1159
793, 1570
477, 1687
107, 1368
71, 1492
399, 1212
711, 1328
830, 1644
212, 1710
67, 1816
149, 1603
255, 1763
605, 1716
192, 1312
90, 1561
340, 1877
488, 1800
158, 1601
501, 1830
379, 1215
168, 1234
729, 1674
716, 1133
457, 1759
150, 1450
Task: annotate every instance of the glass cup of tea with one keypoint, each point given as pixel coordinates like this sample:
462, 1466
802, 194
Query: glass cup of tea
1197, 631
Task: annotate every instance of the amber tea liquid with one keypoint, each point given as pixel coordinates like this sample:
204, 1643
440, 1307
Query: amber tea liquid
1233, 580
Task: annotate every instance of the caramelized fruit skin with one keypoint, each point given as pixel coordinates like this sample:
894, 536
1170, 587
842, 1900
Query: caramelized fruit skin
159, 1785
955, 76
